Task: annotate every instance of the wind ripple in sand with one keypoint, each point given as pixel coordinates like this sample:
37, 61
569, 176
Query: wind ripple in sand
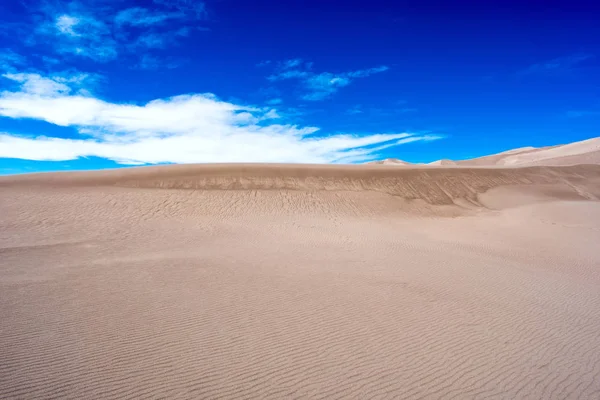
342, 283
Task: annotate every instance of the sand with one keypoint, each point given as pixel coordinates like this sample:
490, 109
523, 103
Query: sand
445, 163
582, 152
390, 161
287, 281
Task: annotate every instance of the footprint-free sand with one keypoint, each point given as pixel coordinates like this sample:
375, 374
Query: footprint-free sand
291, 281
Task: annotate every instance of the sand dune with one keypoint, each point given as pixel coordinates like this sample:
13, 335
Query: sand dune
583, 152
390, 161
437, 186
445, 163
301, 281
499, 158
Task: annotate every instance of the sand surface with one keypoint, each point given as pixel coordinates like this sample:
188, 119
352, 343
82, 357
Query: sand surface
284, 281
582, 152
389, 161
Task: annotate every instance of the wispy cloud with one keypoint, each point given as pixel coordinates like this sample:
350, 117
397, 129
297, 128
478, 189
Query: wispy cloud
420, 138
357, 109
157, 40
324, 85
291, 74
292, 63
138, 16
80, 35
557, 65
363, 73
379, 112
319, 86
181, 129
192, 8
101, 30
10, 61
66, 24
65, 82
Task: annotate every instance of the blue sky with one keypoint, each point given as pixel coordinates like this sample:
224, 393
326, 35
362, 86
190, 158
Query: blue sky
106, 83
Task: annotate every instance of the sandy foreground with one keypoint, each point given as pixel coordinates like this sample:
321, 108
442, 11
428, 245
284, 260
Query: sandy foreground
288, 281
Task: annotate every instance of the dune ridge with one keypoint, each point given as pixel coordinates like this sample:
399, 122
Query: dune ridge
301, 281
582, 152
434, 186
587, 151
389, 161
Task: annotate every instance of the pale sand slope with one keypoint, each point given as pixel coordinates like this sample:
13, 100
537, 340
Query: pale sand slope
390, 161
445, 163
583, 152
499, 158
283, 281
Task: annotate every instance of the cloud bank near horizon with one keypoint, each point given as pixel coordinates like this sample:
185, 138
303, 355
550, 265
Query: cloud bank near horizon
188, 128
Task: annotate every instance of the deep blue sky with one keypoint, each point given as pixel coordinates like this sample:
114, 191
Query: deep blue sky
458, 80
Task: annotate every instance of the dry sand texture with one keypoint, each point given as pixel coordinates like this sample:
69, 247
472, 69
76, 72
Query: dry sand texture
583, 152
324, 282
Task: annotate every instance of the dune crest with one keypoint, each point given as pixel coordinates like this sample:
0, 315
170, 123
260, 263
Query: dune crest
439, 186
583, 152
445, 163
301, 281
389, 161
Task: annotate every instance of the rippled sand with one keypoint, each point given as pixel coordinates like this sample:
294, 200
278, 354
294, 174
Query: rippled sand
286, 281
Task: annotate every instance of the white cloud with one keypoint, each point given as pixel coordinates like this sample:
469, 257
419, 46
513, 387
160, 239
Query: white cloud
362, 73
293, 74
80, 35
357, 109
324, 85
291, 63
557, 65
326, 80
102, 31
157, 40
182, 129
376, 112
193, 8
35, 84
138, 16
9, 61
319, 86
66, 24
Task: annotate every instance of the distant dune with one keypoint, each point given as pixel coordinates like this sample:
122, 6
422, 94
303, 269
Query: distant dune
304, 281
389, 161
434, 186
584, 152
445, 163
498, 159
